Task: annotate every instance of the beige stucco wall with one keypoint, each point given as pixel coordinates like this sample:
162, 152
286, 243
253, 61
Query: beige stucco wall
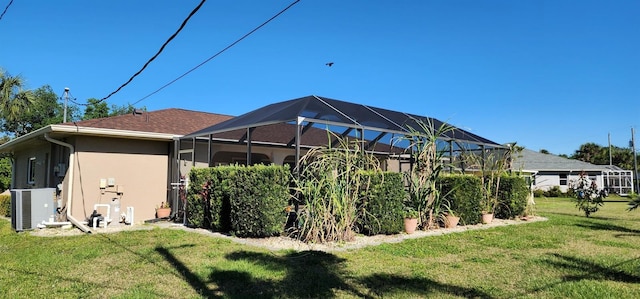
139, 168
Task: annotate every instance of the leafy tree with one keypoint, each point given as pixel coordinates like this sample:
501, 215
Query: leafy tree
95, 109
122, 110
599, 155
14, 100
5, 168
586, 195
544, 151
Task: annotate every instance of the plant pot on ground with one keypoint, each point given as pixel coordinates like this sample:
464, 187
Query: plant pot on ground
163, 211
487, 217
410, 221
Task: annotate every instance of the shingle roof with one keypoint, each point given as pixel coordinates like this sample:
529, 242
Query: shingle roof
531, 160
170, 121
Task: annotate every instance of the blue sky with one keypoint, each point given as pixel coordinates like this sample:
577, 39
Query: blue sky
546, 74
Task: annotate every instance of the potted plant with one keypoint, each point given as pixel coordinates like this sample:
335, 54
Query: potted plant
164, 210
450, 218
410, 220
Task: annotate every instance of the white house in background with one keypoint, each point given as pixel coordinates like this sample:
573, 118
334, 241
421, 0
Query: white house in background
549, 170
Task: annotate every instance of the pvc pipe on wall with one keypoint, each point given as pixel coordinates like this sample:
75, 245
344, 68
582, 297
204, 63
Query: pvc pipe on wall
71, 168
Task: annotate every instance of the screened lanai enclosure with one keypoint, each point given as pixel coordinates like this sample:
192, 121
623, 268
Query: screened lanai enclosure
280, 133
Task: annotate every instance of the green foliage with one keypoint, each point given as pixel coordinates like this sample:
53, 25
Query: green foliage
634, 203
587, 196
513, 194
554, 191
427, 154
538, 193
330, 185
463, 195
95, 109
258, 195
380, 209
246, 201
5, 205
599, 155
5, 173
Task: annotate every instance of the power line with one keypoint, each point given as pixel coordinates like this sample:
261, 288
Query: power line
219, 52
5, 9
158, 53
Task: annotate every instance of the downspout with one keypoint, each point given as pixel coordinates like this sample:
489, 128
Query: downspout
72, 154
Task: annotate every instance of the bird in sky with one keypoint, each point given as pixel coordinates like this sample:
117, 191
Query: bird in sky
329, 64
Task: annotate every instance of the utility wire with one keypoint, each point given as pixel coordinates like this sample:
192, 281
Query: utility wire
219, 52
5, 9
158, 53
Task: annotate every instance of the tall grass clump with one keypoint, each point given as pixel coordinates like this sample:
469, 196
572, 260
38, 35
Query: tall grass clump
328, 186
427, 155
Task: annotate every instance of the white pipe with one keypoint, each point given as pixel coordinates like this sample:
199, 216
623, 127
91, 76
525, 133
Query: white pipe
72, 154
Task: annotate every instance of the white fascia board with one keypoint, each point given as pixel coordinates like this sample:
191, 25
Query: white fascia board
112, 133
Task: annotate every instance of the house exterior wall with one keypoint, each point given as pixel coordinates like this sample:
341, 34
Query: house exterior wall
139, 169
545, 180
40, 151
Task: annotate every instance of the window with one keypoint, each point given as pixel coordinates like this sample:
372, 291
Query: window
563, 179
31, 173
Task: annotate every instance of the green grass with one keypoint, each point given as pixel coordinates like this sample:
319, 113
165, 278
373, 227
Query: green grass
569, 256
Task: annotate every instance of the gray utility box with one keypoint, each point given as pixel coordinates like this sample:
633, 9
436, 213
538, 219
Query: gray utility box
30, 207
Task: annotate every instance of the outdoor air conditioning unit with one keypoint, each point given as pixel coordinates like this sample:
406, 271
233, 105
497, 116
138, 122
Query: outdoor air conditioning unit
30, 207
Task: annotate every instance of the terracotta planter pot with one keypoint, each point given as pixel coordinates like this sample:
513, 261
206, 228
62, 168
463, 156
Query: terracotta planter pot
410, 225
451, 221
487, 218
163, 212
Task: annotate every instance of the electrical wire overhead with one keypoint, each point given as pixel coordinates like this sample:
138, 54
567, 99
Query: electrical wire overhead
158, 53
5, 9
218, 53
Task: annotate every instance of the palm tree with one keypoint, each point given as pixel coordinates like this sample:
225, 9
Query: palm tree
13, 99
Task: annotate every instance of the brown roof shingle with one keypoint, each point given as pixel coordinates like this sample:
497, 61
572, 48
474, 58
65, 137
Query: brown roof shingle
170, 121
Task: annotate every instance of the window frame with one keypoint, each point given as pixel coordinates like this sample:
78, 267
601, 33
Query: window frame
31, 171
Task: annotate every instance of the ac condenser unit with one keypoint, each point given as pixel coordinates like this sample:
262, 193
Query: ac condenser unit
30, 207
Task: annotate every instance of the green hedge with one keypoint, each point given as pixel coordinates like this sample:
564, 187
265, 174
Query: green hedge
5, 205
464, 195
258, 197
245, 201
380, 210
512, 197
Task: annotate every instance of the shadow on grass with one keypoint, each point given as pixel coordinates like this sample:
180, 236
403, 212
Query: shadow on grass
582, 269
315, 274
609, 227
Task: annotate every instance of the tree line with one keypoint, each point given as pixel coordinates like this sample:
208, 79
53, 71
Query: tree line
24, 110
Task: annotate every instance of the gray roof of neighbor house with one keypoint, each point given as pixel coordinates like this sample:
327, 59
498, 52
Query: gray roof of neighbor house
321, 110
163, 125
528, 160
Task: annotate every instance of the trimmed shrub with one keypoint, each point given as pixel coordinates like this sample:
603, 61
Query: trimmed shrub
512, 197
464, 196
5, 205
380, 210
245, 201
538, 193
258, 197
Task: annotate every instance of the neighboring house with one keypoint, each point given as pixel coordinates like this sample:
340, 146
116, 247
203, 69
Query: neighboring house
549, 170
125, 157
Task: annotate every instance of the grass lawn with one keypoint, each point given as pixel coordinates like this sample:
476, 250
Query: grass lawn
569, 256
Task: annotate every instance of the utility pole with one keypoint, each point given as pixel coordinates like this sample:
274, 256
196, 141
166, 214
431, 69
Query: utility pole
635, 160
610, 160
66, 99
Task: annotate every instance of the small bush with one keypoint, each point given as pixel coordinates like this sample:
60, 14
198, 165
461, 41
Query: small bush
464, 196
512, 197
538, 193
553, 192
380, 209
5, 205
